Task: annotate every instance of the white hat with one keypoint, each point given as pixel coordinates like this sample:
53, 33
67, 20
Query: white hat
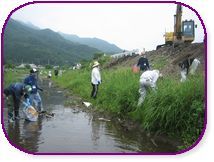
96, 63
34, 70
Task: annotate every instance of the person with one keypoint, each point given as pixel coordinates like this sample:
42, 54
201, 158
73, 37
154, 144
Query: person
17, 91
187, 66
194, 66
143, 62
147, 79
95, 79
49, 74
34, 95
60, 73
56, 71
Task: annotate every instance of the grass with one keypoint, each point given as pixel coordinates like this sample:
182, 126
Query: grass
13, 77
112, 88
159, 62
175, 109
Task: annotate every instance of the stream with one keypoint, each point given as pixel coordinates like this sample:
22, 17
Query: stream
72, 130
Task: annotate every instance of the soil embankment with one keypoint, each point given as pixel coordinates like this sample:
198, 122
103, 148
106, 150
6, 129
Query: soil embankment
165, 59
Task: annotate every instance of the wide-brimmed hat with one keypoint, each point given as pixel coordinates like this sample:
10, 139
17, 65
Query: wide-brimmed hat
96, 63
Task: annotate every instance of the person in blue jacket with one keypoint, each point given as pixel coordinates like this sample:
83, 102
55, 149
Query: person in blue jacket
34, 95
17, 91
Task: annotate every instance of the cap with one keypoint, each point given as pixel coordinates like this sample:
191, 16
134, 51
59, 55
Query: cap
27, 88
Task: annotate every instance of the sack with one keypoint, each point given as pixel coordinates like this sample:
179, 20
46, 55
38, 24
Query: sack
135, 69
30, 113
194, 66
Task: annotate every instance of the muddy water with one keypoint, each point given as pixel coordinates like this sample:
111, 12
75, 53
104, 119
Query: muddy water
73, 130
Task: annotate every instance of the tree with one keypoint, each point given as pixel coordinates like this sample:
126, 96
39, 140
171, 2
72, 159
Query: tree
98, 55
27, 66
9, 66
48, 67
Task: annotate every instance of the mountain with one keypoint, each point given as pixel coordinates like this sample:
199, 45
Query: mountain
24, 43
30, 25
100, 44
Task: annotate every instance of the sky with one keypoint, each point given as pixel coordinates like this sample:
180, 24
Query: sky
129, 26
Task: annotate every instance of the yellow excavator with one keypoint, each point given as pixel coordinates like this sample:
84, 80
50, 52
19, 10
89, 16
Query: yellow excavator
184, 31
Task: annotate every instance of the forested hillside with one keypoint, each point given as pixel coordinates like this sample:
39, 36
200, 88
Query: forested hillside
25, 44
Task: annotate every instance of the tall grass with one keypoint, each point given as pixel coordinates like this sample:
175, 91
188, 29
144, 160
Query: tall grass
10, 77
175, 108
116, 93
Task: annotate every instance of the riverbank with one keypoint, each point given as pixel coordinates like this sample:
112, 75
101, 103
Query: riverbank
124, 123
75, 128
175, 110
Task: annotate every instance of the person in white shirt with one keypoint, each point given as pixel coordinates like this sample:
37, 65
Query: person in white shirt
188, 66
95, 79
49, 74
147, 79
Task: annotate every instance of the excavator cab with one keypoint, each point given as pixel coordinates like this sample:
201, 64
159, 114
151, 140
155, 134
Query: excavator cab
184, 31
188, 31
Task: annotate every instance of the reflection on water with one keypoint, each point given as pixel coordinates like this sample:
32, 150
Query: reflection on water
25, 134
49, 84
72, 130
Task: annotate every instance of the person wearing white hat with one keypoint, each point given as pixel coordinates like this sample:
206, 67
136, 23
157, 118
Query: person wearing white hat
95, 79
147, 79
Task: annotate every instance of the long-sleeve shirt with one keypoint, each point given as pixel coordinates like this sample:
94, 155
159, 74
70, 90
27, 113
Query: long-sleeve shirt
32, 81
150, 76
16, 89
95, 76
143, 63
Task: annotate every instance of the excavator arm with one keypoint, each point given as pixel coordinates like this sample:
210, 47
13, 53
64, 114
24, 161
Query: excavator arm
178, 23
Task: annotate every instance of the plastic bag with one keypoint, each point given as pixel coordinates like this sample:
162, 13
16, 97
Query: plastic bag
194, 66
30, 112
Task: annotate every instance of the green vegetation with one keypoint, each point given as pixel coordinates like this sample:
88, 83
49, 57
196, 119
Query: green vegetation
27, 66
159, 62
98, 55
48, 67
9, 65
12, 76
24, 44
175, 109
